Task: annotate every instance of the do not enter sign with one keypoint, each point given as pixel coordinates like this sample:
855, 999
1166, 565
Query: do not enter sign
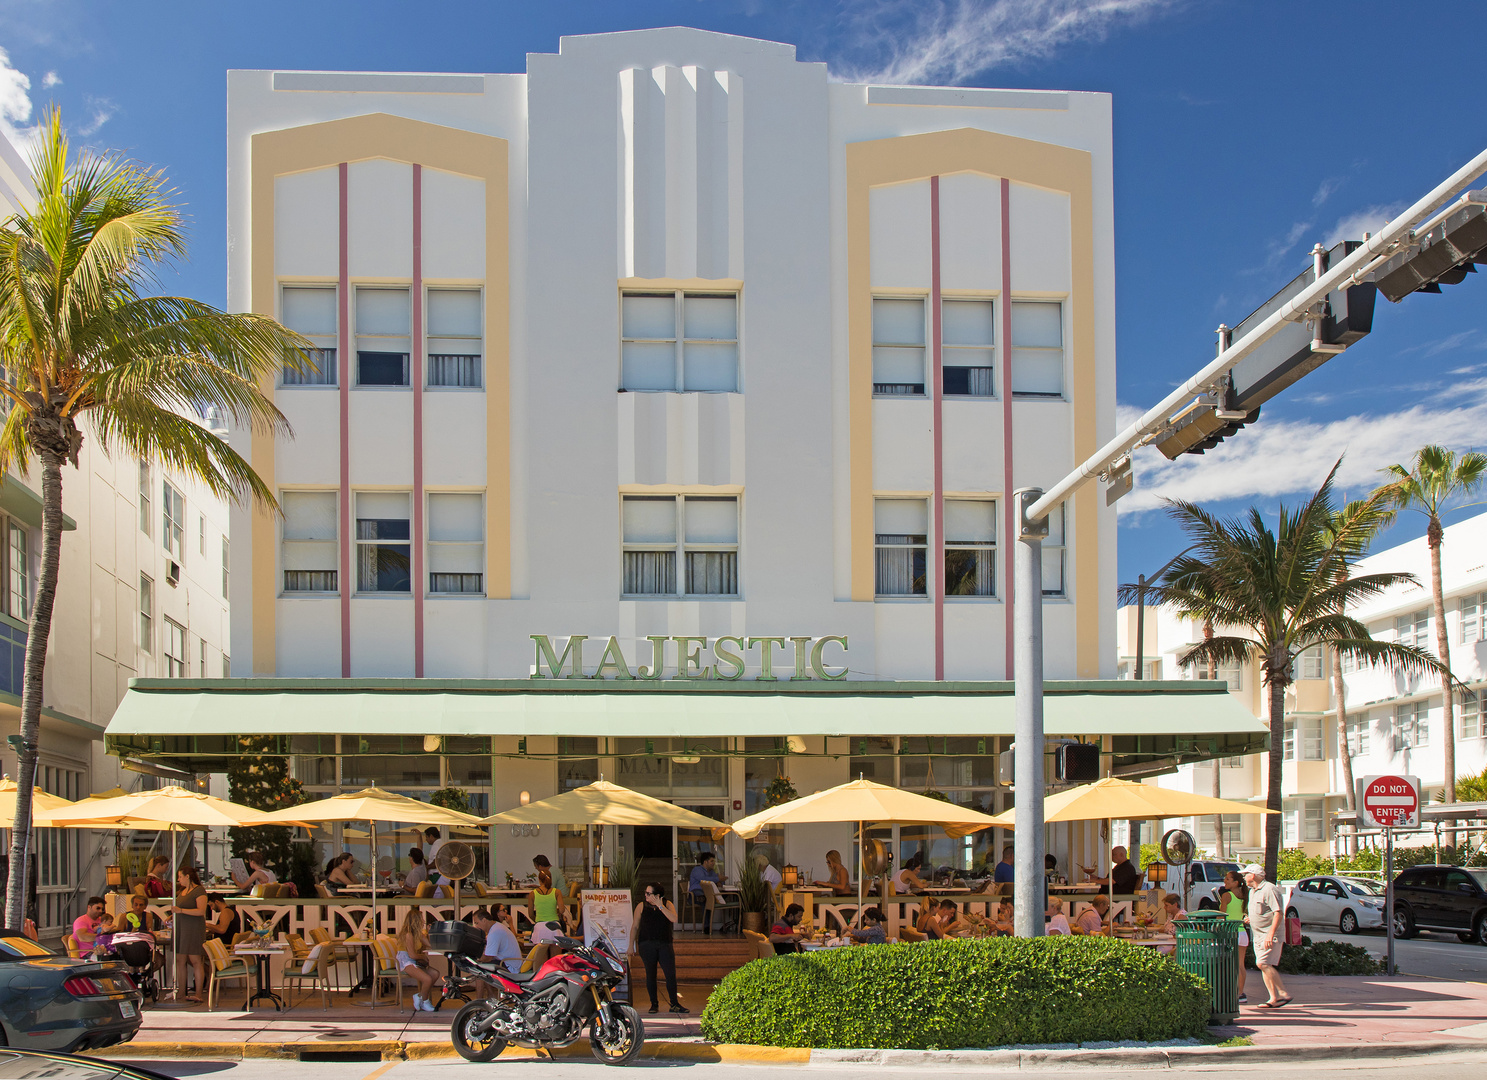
1390, 802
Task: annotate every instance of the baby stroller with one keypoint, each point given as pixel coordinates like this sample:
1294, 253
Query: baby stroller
137, 951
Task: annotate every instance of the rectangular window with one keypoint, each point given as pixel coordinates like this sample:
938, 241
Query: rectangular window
1054, 552
1414, 629
201, 534
1469, 707
18, 573
1309, 663
173, 508
703, 358
226, 564
1288, 752
1231, 831
454, 337
146, 515
1313, 823
456, 543
1411, 725
708, 553
1233, 762
383, 553
310, 310
1474, 617
968, 348
1312, 739
146, 614
383, 336
1232, 673
174, 650
898, 346
1348, 662
201, 671
901, 538
1037, 348
1358, 728
970, 547
311, 542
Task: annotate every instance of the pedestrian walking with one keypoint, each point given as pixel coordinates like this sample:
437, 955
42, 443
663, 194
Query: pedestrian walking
1266, 921
650, 939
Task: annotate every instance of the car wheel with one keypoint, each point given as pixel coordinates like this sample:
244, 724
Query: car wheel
1479, 929
1292, 913
1348, 924
1404, 922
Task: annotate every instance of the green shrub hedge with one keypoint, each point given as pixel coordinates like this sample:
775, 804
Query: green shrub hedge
1321, 958
948, 994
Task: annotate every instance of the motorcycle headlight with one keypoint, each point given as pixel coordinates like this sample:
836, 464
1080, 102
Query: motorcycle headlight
615, 965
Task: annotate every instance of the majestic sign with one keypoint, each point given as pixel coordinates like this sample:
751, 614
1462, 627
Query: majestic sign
1390, 802
697, 658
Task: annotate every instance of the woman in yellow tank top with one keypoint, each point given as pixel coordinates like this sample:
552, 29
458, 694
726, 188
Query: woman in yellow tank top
546, 904
1232, 898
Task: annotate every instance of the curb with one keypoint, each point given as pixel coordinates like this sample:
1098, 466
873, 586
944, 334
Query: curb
396, 1050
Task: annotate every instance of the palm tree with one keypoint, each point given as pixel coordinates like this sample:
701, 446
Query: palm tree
1282, 586
1437, 477
1371, 515
84, 347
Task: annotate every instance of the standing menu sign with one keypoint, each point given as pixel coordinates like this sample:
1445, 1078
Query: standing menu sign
610, 911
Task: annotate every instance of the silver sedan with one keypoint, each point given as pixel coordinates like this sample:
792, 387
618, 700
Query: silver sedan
1350, 904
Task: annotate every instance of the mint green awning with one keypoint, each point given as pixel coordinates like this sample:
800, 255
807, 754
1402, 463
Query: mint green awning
23, 504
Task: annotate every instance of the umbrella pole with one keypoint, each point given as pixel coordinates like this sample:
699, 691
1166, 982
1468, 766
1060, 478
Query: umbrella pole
372, 826
861, 843
175, 923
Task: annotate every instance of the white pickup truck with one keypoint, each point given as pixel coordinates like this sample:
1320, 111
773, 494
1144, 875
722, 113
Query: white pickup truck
1205, 880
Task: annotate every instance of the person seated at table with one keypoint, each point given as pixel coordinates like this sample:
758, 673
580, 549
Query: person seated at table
545, 903
785, 934
837, 878
226, 923
139, 919
1058, 922
872, 932
418, 871
770, 875
1171, 910
413, 959
906, 878
85, 926
1002, 920
704, 871
258, 874
1003, 871
103, 940
1126, 878
338, 873
1092, 919
928, 922
501, 944
157, 885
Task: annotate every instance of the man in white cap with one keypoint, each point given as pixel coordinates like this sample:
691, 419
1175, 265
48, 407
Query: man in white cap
1266, 920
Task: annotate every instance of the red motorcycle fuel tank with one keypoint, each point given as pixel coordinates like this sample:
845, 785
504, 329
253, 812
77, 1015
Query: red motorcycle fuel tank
565, 964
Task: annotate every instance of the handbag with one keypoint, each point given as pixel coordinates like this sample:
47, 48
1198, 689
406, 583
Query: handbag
1293, 931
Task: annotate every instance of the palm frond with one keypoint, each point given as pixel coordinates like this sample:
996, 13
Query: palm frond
1221, 650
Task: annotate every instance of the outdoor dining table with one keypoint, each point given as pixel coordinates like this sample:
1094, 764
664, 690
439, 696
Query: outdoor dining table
260, 955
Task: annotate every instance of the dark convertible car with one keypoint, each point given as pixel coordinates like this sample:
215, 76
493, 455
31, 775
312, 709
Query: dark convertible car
51, 1002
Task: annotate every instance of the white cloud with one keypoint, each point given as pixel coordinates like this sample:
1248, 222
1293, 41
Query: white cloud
15, 99
102, 109
51, 79
1269, 459
1368, 220
951, 41
1325, 190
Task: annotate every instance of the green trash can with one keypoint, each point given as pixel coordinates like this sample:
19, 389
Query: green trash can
1208, 947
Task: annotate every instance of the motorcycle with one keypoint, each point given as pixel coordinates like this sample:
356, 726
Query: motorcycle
548, 1008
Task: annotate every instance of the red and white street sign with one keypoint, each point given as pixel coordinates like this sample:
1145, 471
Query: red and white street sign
1390, 802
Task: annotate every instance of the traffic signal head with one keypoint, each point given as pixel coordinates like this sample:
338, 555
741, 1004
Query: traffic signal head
1443, 256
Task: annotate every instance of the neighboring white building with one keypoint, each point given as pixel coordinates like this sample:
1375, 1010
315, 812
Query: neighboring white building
1394, 720
142, 591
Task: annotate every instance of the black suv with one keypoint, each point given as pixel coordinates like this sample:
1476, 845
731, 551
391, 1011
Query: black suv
1441, 898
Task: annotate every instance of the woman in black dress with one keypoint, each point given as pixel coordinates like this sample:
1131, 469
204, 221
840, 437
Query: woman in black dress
650, 939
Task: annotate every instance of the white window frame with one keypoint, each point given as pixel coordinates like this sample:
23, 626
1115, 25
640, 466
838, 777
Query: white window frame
359, 543
1411, 725
358, 336
880, 546
950, 353
1313, 739
1469, 710
983, 549
146, 613
881, 389
18, 591
431, 546
681, 547
325, 351
1359, 733
1414, 629
1231, 672
173, 527
146, 499
1473, 617
679, 340
1313, 823
1029, 351
202, 650
226, 566
333, 541
432, 341
1311, 663
1055, 551
173, 650
1288, 736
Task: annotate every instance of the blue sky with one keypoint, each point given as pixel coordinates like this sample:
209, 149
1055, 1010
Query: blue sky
1245, 131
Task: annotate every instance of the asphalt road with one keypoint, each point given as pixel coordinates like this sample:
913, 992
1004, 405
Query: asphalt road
1439, 956
1462, 1067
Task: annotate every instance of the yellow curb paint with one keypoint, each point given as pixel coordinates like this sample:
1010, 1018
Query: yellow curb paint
385, 1068
393, 1051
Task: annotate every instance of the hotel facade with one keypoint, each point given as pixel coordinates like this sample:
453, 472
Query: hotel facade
664, 404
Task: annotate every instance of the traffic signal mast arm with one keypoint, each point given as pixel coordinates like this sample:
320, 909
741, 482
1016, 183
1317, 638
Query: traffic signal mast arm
1211, 383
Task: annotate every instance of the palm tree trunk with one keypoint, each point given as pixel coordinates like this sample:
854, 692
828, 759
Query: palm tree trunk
1277, 687
1342, 743
1433, 537
37, 634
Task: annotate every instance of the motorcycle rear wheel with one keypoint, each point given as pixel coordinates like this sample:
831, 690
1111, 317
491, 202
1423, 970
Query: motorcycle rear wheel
473, 1046
622, 1049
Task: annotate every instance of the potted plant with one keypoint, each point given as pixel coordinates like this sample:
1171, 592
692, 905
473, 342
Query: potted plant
780, 790
623, 872
753, 894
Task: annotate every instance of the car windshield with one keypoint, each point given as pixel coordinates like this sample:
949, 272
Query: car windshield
12, 948
1363, 888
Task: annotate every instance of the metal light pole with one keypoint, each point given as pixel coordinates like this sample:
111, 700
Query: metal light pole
1027, 674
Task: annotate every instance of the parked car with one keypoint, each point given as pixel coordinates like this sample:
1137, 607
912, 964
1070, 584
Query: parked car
1205, 880
1441, 898
51, 1002
33, 1064
1350, 904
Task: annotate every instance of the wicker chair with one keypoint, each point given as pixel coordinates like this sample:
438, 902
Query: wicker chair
722, 909
763, 947
340, 954
425, 889
537, 957
225, 967
385, 966
312, 968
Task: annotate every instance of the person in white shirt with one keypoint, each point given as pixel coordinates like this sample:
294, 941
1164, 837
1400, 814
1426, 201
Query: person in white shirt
258, 874
906, 878
501, 945
770, 875
1058, 922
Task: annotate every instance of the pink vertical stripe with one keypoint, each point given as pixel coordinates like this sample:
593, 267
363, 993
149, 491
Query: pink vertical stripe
937, 398
1010, 512
417, 376
343, 377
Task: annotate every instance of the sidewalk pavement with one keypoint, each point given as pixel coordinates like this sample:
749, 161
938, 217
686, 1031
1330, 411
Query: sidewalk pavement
1328, 1018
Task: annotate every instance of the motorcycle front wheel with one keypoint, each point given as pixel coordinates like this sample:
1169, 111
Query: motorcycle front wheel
470, 1044
625, 1039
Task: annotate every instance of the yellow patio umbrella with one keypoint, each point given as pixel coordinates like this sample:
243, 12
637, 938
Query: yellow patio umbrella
866, 802
40, 801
